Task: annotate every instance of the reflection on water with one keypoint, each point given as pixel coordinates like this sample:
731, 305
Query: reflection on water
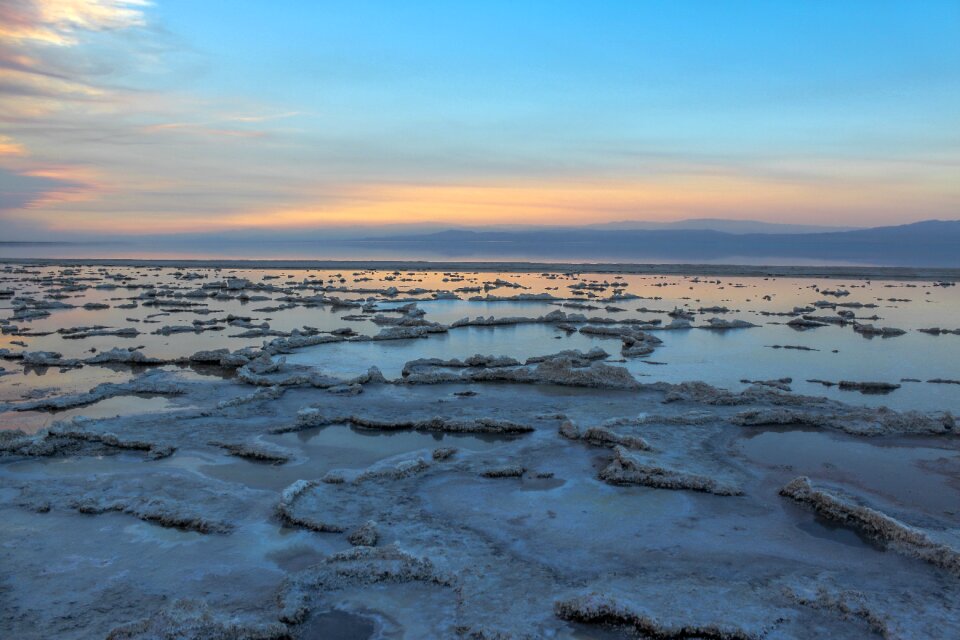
825, 529
33, 421
900, 474
831, 353
337, 625
526, 519
296, 557
417, 251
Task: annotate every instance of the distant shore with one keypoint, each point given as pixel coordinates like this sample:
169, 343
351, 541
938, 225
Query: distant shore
786, 271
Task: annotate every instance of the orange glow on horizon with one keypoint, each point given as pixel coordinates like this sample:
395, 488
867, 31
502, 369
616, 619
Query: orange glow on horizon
569, 203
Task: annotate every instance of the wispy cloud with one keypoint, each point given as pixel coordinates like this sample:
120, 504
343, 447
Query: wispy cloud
27, 190
84, 138
109, 122
202, 129
10, 148
58, 22
266, 117
41, 76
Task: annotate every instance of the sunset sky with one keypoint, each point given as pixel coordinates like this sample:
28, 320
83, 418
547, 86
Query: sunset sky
130, 117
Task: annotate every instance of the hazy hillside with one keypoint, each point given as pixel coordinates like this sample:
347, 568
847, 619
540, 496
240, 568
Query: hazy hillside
929, 243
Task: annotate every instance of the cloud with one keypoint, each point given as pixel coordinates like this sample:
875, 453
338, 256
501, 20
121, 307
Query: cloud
43, 65
189, 128
111, 125
264, 118
57, 22
8, 147
22, 191
89, 139
48, 80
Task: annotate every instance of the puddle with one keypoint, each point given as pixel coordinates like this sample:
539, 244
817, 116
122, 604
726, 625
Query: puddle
893, 472
540, 484
820, 527
296, 558
349, 359
33, 421
39, 382
76, 465
337, 625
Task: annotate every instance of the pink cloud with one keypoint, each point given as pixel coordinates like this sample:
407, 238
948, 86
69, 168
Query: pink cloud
57, 22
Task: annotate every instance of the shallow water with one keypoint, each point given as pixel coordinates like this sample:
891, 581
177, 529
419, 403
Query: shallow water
323, 449
521, 543
822, 528
184, 249
895, 472
33, 421
337, 625
722, 358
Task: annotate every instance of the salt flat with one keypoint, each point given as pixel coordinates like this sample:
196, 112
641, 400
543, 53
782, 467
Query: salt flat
251, 450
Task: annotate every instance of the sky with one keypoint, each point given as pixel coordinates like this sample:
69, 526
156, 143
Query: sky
184, 116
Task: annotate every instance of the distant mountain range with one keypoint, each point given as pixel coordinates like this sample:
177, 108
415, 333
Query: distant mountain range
720, 224
932, 243
390, 231
928, 243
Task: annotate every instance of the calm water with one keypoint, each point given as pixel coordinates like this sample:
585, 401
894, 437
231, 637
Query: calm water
723, 358
357, 250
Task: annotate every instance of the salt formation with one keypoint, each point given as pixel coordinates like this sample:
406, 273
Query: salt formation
221, 452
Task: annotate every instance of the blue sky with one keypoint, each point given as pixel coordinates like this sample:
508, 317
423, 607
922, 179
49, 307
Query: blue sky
195, 115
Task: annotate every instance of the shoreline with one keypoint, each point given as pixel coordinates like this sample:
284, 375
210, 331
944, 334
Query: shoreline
730, 270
